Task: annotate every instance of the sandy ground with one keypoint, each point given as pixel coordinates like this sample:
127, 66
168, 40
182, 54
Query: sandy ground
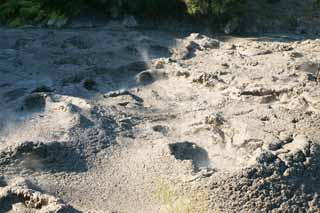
121, 120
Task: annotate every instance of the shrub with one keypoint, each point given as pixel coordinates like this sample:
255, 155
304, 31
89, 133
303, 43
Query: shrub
218, 11
19, 12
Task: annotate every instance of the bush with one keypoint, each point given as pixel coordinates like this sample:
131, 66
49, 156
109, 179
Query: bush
17, 12
20, 12
218, 11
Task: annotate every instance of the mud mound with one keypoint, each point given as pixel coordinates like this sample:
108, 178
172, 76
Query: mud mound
22, 196
50, 157
274, 184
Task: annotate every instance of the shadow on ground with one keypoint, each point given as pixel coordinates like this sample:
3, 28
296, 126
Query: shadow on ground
52, 157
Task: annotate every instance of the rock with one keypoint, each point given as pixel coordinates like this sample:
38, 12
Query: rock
275, 145
266, 157
117, 93
287, 172
284, 48
180, 73
160, 64
295, 55
268, 99
162, 129
298, 156
214, 119
308, 162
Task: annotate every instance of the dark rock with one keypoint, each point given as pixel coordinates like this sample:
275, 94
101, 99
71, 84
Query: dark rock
266, 158
160, 128
275, 145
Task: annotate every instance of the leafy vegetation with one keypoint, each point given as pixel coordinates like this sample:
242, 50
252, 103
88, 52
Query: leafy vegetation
20, 12
219, 12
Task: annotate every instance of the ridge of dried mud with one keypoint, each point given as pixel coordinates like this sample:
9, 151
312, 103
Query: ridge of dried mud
121, 120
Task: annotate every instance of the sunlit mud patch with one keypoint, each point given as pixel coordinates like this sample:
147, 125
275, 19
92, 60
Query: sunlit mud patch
22, 196
190, 151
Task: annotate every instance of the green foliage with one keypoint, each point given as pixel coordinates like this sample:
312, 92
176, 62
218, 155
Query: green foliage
218, 11
19, 12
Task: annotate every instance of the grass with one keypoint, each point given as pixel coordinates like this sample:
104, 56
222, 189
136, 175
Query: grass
172, 202
20, 12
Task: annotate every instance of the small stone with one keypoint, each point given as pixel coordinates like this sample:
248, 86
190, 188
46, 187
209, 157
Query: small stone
287, 172
180, 73
116, 93
266, 157
295, 55
268, 99
225, 65
308, 162
214, 119
161, 129
275, 145
160, 64
299, 156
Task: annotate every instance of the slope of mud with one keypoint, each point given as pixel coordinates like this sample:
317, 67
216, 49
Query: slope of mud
118, 120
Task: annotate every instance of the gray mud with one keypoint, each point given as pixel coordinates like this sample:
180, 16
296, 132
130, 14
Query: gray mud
122, 120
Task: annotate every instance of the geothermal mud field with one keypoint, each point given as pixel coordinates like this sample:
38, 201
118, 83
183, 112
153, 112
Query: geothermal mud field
121, 120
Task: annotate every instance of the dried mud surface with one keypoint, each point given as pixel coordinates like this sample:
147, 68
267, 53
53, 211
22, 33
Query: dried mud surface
122, 120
